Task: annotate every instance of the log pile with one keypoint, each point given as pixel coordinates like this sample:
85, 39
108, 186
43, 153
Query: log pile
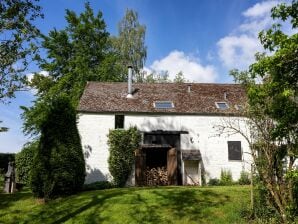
157, 176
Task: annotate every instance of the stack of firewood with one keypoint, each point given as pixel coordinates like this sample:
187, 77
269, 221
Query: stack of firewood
157, 176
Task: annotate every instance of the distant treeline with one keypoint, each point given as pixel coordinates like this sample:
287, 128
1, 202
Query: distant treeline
4, 159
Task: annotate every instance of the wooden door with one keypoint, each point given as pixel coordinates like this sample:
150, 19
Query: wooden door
172, 166
140, 166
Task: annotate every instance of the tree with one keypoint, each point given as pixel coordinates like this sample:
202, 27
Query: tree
58, 167
179, 78
273, 112
130, 44
157, 77
17, 43
79, 53
3, 129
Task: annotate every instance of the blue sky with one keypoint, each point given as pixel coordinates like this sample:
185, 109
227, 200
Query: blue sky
203, 39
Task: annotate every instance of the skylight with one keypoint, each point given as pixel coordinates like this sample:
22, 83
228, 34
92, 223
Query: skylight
163, 104
221, 105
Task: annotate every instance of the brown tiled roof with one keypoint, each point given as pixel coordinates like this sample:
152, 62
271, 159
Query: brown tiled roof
111, 97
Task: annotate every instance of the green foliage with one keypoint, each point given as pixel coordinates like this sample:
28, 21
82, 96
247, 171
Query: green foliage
273, 109
3, 129
80, 52
24, 160
244, 178
58, 166
179, 78
214, 182
157, 77
17, 43
122, 144
99, 185
4, 159
263, 208
130, 44
226, 177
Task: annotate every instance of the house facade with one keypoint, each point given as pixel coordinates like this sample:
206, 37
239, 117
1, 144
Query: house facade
178, 123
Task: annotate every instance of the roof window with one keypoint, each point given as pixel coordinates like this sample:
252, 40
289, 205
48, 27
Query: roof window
163, 104
221, 105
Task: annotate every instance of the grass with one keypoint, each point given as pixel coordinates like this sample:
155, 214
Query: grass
131, 205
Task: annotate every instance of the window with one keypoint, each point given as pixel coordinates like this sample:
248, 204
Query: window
221, 105
163, 104
235, 152
119, 121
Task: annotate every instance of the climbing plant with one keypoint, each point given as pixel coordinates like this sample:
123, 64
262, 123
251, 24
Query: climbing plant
122, 144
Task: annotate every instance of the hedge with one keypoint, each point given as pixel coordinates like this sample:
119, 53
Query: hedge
23, 161
122, 145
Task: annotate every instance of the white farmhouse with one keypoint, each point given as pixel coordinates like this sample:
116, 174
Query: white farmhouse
177, 124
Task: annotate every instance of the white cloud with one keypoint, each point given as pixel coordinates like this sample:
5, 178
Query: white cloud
260, 9
237, 50
190, 65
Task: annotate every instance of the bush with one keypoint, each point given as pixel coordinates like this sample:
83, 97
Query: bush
4, 159
122, 145
244, 178
226, 177
58, 167
214, 182
99, 185
263, 210
24, 160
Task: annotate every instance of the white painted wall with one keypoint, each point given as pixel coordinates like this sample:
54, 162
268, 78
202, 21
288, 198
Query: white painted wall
202, 136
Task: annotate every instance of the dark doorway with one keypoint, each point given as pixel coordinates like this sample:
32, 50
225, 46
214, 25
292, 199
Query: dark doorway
160, 157
156, 158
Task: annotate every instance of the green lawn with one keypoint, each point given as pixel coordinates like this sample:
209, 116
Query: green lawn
131, 205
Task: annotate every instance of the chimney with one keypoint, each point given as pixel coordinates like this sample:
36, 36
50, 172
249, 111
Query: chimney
188, 88
129, 92
225, 95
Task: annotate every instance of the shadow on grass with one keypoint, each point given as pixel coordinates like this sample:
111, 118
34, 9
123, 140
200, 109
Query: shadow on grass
128, 205
64, 209
176, 204
7, 200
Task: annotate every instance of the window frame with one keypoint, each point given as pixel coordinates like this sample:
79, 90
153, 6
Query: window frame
164, 101
222, 102
230, 144
116, 124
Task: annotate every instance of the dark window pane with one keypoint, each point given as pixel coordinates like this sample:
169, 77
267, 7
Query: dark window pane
163, 104
119, 121
222, 105
235, 152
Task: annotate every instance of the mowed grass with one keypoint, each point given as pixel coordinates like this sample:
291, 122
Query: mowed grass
131, 205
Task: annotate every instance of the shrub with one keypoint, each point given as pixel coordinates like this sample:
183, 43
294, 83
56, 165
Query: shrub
58, 167
122, 145
99, 185
214, 182
244, 178
24, 160
263, 210
226, 177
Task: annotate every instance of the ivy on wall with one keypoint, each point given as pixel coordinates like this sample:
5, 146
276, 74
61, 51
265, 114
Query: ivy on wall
122, 144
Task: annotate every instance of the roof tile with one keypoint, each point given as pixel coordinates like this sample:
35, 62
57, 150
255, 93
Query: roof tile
111, 97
